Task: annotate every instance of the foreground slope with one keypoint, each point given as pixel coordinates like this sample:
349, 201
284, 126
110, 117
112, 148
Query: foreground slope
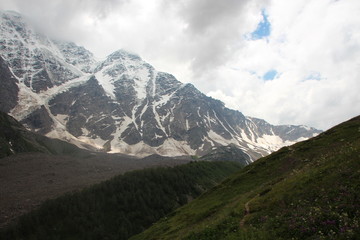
121, 104
310, 190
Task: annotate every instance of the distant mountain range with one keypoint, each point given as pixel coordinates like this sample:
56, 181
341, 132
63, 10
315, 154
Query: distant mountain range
121, 104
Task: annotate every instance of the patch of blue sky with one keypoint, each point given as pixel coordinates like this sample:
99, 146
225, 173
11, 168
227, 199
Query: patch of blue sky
270, 75
314, 76
263, 28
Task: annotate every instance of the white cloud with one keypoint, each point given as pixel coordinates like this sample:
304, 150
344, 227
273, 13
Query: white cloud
204, 42
307, 37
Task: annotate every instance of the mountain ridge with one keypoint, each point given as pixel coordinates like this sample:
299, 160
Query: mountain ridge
122, 104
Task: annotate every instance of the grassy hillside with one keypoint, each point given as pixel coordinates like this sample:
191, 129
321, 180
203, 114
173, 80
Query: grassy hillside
120, 207
310, 190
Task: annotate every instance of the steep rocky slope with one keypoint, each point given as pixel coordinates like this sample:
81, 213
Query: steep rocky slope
14, 139
227, 153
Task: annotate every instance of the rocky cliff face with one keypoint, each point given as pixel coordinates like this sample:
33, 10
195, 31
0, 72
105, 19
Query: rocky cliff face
31, 56
121, 104
9, 88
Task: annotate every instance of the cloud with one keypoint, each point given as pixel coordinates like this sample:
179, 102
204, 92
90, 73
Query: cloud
215, 29
319, 39
203, 15
314, 47
64, 19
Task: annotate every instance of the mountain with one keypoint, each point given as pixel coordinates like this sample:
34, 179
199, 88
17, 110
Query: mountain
309, 190
121, 104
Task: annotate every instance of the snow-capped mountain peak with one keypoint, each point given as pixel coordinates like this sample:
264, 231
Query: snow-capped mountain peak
121, 68
120, 104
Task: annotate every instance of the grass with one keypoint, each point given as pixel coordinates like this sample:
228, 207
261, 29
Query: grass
310, 190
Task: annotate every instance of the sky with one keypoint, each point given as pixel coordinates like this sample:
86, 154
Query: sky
288, 62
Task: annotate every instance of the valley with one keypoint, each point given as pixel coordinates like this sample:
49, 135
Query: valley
28, 179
